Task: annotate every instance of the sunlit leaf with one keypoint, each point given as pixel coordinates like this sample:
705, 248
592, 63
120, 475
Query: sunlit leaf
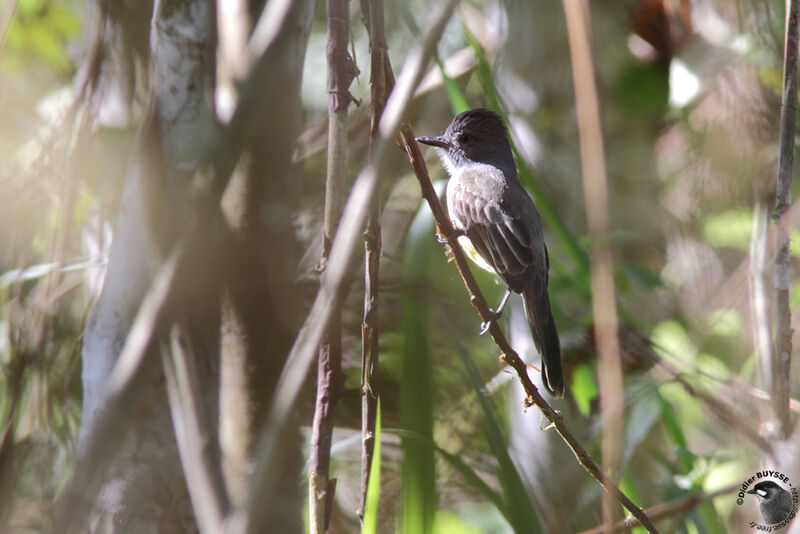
670, 338
731, 228
449, 523
584, 387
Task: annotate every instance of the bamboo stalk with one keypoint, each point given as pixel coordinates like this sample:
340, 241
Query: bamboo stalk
595, 190
341, 71
372, 16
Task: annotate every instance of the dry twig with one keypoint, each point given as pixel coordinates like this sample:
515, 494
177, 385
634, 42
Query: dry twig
678, 506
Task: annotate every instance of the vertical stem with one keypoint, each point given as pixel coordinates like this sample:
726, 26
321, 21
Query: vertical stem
759, 313
782, 355
341, 71
372, 13
595, 189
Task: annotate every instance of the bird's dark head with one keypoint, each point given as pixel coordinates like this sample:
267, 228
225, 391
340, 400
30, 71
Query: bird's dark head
766, 490
475, 136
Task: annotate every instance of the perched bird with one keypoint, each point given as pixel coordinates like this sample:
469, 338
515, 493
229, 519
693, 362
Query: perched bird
498, 225
775, 502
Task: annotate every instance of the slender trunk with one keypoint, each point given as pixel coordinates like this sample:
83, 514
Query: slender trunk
145, 490
381, 82
782, 355
341, 71
595, 190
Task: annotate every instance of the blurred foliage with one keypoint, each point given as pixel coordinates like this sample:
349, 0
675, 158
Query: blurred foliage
40, 32
690, 132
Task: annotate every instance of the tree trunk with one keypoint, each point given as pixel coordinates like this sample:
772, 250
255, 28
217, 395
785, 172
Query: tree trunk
144, 490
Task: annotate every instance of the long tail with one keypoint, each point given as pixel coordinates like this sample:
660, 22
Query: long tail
545, 335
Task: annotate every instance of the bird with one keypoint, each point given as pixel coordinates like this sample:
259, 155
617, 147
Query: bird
774, 501
497, 224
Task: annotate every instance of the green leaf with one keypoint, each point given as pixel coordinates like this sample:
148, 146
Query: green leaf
584, 387
40, 30
370, 522
731, 228
416, 387
456, 97
675, 432
450, 523
644, 275
669, 337
521, 513
469, 474
643, 88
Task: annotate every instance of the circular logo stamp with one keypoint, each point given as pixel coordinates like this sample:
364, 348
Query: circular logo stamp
777, 499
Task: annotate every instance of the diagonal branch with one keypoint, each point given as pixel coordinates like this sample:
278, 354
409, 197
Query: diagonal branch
681, 505
509, 356
194, 433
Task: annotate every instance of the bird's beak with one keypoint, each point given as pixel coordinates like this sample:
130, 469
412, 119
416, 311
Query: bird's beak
753, 492
438, 140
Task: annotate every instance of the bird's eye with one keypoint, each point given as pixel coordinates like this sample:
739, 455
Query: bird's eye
464, 138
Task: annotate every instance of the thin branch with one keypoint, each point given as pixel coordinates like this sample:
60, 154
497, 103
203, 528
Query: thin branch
782, 355
508, 356
196, 439
267, 455
341, 71
757, 291
595, 190
679, 506
372, 16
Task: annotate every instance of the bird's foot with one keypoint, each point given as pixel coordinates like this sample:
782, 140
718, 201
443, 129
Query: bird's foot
486, 325
494, 315
444, 240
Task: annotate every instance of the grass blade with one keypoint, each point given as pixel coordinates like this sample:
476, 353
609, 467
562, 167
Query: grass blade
370, 521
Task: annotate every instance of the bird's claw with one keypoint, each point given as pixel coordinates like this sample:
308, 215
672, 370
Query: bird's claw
494, 314
444, 240
486, 325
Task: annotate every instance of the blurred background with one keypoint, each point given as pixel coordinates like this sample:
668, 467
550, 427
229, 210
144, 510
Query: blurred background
689, 93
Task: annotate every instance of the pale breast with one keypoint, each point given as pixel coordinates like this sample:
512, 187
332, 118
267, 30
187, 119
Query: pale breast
477, 178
